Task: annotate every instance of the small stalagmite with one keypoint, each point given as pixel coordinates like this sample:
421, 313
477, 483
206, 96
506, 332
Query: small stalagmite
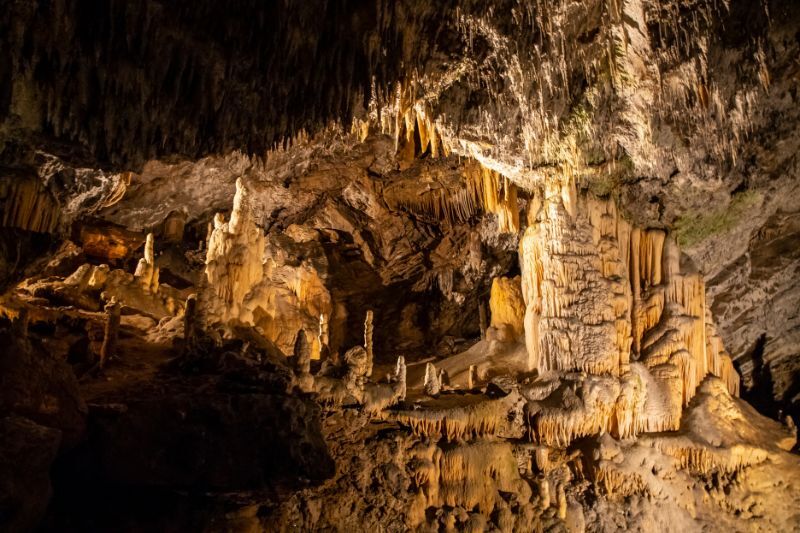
302, 362
190, 323
400, 373
432, 385
146, 270
482, 319
110, 332
472, 377
323, 337
368, 341
302, 353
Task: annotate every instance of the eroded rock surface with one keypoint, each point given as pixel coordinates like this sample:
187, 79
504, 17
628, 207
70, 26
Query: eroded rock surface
455, 266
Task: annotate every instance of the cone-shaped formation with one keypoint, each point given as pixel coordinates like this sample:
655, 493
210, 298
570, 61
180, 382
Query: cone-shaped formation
234, 258
110, 332
147, 271
432, 384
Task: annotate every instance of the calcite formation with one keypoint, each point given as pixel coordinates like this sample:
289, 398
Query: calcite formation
498, 266
29, 206
507, 307
110, 332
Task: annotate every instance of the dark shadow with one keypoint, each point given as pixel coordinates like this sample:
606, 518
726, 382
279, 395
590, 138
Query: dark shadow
761, 393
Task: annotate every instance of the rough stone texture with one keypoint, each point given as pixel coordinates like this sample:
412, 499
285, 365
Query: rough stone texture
39, 386
26, 454
378, 155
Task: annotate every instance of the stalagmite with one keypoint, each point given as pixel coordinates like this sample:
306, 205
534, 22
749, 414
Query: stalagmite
146, 270
368, 341
355, 377
507, 306
302, 353
400, 377
323, 337
472, 377
482, 319
562, 503
432, 385
572, 272
110, 332
191, 327
302, 362
234, 259
544, 494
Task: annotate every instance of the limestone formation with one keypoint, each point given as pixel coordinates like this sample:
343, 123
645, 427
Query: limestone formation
110, 332
302, 362
472, 377
400, 373
146, 270
302, 353
29, 206
368, 341
174, 226
324, 334
432, 383
191, 325
482, 319
356, 362
233, 259
507, 307
576, 222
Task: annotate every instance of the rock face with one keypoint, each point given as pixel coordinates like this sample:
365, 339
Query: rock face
499, 266
26, 454
257, 438
39, 386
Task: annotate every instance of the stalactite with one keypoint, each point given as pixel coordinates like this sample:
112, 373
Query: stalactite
471, 475
481, 189
29, 206
475, 420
